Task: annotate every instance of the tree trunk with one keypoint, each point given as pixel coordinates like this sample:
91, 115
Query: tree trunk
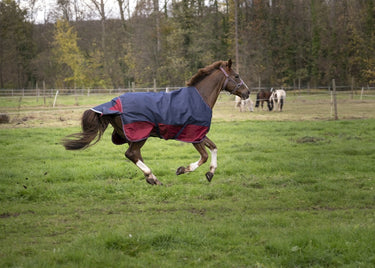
236, 34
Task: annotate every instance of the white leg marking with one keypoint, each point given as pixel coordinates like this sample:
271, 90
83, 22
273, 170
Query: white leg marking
251, 105
193, 166
143, 167
213, 164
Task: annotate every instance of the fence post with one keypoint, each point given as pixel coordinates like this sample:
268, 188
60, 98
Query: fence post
44, 93
259, 82
362, 92
334, 98
54, 102
37, 92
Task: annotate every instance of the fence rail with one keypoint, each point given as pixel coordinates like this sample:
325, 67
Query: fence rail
118, 91
307, 104
78, 92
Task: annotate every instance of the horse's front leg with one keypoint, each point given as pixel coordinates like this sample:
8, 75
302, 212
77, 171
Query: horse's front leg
200, 147
213, 165
275, 105
134, 154
251, 105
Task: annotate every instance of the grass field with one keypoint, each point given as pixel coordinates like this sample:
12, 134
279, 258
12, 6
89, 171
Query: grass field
287, 193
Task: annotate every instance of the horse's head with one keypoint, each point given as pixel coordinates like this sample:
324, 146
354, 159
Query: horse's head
233, 82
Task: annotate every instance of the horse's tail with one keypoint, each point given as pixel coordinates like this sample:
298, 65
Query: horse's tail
93, 126
257, 101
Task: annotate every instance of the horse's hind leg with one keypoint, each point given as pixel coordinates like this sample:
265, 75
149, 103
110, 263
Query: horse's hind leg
193, 166
200, 147
134, 154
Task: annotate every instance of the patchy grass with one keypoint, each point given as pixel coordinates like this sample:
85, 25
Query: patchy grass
285, 194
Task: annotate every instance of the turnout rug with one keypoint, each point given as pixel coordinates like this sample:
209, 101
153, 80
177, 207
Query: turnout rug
181, 114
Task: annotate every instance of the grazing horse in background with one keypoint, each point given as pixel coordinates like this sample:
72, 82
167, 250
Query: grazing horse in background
264, 96
244, 104
278, 96
196, 105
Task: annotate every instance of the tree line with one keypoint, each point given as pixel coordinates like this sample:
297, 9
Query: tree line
277, 42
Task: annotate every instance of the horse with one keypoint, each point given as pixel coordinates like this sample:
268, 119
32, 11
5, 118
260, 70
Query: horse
206, 84
278, 96
244, 104
264, 96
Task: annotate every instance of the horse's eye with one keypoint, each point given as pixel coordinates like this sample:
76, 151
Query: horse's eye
237, 76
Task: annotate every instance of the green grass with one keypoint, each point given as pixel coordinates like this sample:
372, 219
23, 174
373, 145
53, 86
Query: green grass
285, 194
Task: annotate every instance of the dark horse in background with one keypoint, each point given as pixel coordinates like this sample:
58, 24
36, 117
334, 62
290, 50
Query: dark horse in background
208, 82
264, 96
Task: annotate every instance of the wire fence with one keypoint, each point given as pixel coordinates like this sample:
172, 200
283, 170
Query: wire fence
26, 107
87, 92
76, 92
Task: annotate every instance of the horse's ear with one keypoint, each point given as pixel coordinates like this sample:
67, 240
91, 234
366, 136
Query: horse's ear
229, 63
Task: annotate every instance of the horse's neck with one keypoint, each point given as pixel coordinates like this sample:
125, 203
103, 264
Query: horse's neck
209, 88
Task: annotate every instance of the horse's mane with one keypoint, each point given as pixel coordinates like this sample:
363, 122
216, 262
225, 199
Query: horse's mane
202, 73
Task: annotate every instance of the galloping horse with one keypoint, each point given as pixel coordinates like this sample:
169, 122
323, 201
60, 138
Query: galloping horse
198, 100
278, 96
264, 96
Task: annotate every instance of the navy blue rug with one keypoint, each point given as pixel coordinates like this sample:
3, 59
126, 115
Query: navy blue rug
181, 114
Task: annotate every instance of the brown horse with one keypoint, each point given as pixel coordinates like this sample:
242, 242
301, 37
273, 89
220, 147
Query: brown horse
209, 81
264, 96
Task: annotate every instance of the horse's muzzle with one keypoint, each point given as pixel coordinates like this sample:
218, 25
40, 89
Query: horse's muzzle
245, 95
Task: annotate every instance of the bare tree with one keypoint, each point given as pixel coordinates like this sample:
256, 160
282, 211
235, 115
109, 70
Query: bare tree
236, 34
157, 24
65, 8
123, 7
99, 8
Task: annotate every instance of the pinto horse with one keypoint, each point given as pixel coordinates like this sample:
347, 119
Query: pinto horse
264, 96
277, 98
206, 83
244, 104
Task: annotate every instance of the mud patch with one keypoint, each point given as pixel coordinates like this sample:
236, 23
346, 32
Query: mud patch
8, 215
309, 139
4, 118
15, 214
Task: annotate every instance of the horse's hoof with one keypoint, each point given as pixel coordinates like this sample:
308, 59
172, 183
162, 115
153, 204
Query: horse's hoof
180, 170
209, 176
153, 181
150, 181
